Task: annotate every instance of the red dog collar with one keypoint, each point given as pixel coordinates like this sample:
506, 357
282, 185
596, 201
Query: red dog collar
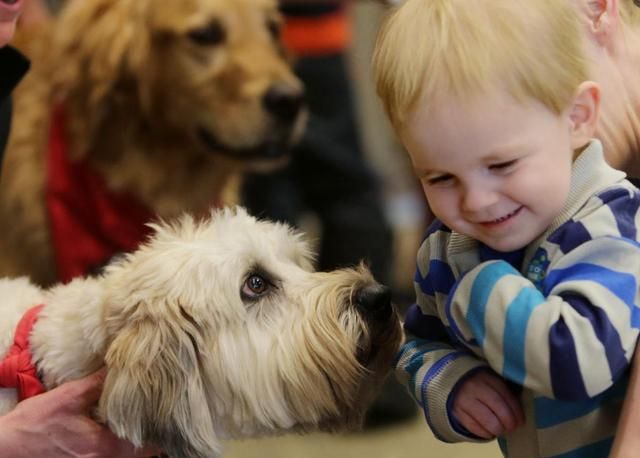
17, 369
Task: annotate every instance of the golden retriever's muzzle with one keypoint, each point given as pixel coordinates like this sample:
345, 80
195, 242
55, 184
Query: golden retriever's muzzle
284, 104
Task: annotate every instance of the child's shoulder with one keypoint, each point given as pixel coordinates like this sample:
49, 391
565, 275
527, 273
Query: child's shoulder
611, 212
619, 200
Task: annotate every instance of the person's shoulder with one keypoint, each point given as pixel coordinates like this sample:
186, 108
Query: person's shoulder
611, 212
621, 199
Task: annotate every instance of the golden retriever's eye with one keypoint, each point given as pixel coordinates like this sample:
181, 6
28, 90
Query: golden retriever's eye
255, 286
211, 35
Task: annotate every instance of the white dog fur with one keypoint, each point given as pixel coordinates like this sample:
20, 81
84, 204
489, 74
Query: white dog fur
194, 354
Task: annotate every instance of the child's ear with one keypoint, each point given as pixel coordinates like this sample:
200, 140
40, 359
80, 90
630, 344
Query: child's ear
583, 114
604, 19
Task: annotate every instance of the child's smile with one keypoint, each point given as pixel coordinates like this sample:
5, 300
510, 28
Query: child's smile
503, 220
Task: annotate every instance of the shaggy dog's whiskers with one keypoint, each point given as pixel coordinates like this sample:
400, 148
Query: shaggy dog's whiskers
211, 330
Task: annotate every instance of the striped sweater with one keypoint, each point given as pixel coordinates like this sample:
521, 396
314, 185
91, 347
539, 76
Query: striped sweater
558, 319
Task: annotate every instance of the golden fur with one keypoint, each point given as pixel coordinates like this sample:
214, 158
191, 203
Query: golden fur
193, 355
166, 100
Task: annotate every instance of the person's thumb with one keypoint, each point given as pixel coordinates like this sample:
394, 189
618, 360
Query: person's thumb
87, 390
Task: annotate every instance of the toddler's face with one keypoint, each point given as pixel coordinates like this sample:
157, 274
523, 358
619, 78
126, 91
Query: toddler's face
491, 168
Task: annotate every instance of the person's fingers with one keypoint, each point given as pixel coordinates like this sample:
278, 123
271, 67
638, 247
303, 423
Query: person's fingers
82, 394
508, 399
482, 414
495, 398
472, 425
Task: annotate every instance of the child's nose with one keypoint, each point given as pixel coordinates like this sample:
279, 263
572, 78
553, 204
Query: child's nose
476, 199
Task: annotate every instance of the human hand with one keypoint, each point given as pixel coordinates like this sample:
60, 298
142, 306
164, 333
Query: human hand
486, 407
58, 424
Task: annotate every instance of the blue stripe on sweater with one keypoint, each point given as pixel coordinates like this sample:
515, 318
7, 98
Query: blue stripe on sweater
624, 205
425, 326
552, 412
604, 329
570, 235
414, 344
622, 284
515, 333
416, 359
566, 378
481, 289
439, 279
433, 372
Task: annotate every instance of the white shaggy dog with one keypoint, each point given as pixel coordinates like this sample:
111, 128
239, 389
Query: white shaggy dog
211, 330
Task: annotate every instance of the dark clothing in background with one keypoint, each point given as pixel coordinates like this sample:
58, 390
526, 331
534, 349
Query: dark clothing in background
13, 67
309, 9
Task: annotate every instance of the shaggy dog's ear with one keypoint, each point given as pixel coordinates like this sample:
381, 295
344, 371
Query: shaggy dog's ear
154, 392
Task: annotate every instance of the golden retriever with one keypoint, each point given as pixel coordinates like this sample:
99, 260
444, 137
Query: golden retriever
136, 109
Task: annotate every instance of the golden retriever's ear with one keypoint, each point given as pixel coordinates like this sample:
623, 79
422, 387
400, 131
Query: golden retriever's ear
100, 42
154, 392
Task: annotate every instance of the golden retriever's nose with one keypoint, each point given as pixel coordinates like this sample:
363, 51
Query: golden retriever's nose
284, 101
374, 301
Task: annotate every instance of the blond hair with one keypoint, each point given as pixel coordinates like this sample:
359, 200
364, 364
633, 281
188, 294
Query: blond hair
465, 47
630, 12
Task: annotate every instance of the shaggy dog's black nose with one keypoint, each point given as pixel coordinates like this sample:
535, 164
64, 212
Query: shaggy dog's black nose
375, 301
283, 101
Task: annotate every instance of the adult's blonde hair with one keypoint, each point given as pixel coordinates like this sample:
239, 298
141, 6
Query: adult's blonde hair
465, 47
630, 11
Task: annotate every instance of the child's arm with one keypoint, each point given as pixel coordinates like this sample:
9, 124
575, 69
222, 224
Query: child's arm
627, 442
428, 364
571, 341
431, 369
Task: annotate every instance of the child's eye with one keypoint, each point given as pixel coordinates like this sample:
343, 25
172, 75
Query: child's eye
502, 165
440, 180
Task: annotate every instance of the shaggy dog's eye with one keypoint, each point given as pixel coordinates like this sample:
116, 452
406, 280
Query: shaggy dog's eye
211, 35
255, 286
